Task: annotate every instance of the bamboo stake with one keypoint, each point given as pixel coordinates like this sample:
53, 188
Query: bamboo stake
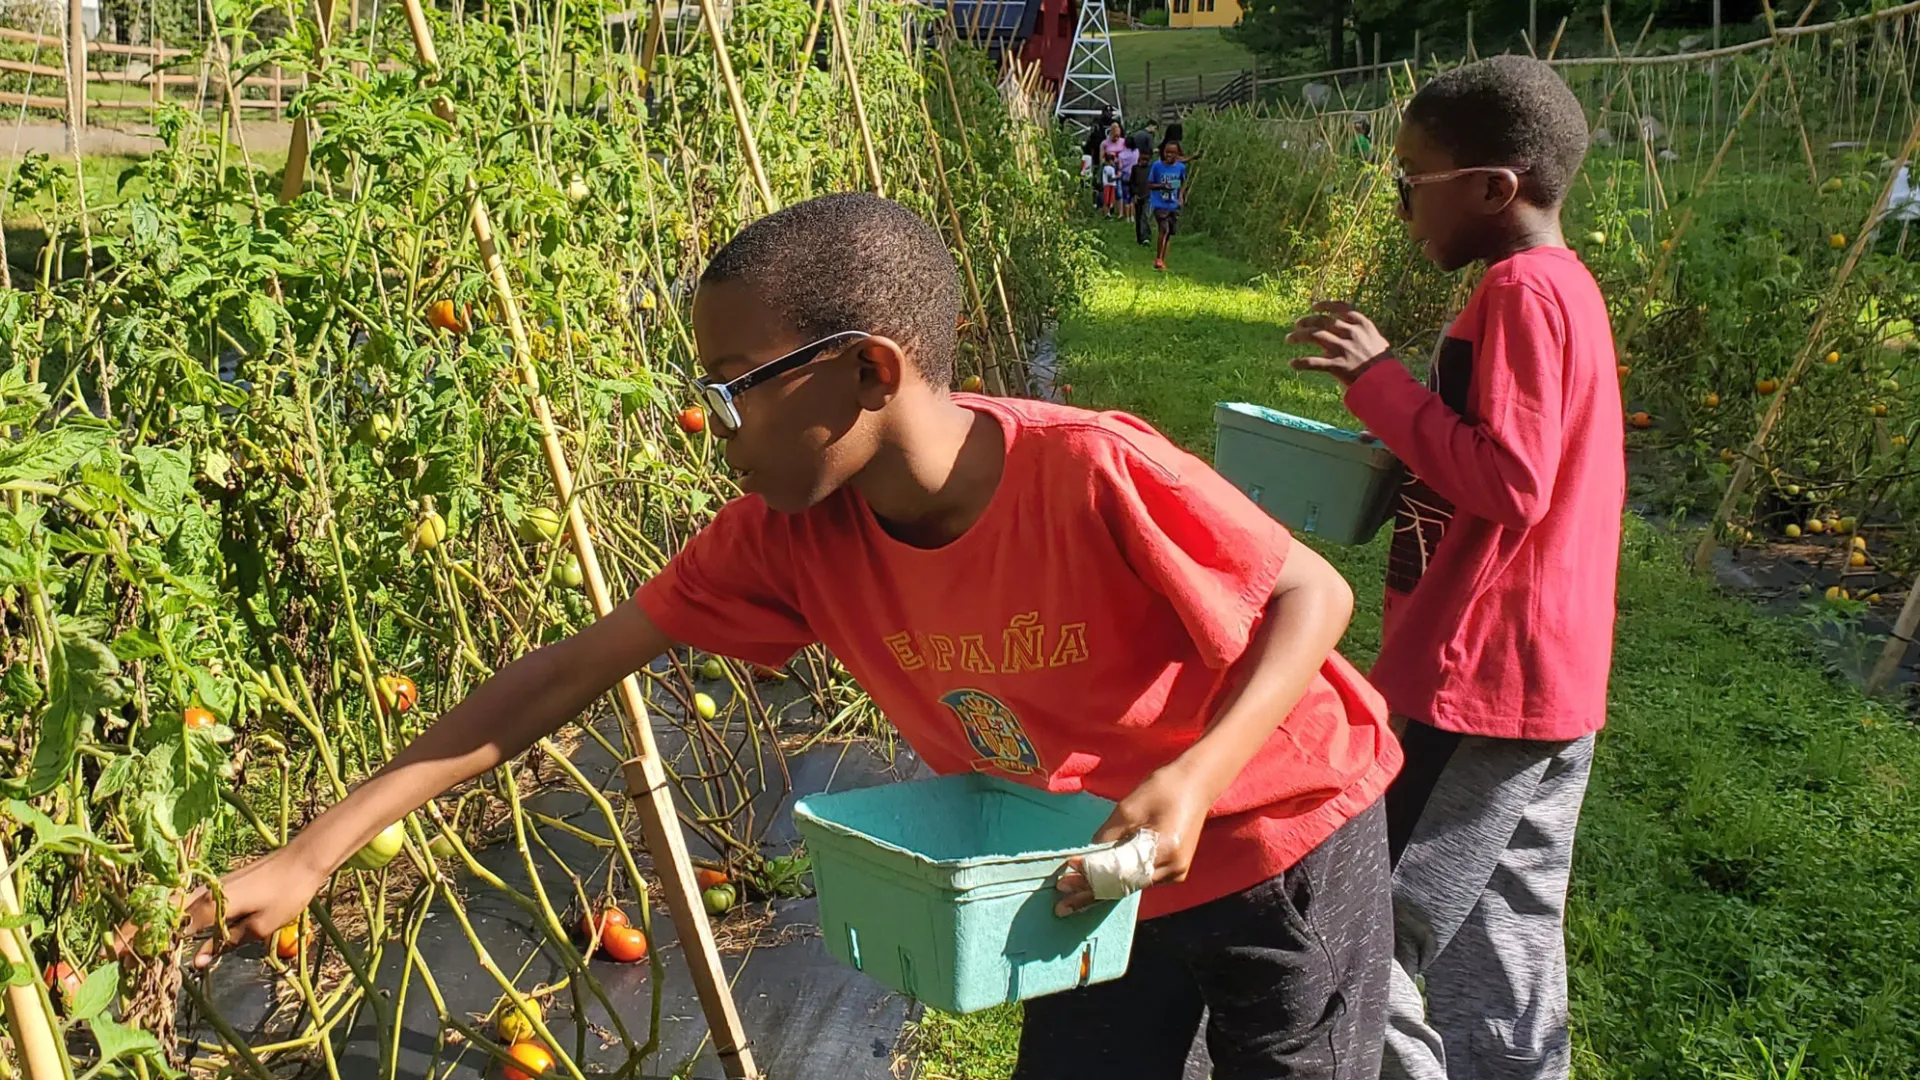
645, 774
1897, 642
1743, 473
995, 379
845, 49
295, 178
740, 120
813, 34
33, 1033
1793, 99
76, 75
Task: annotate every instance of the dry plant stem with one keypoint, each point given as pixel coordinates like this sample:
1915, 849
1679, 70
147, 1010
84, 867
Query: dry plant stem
1743, 472
1793, 100
845, 49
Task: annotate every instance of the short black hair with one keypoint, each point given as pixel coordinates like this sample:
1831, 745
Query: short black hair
852, 262
1507, 110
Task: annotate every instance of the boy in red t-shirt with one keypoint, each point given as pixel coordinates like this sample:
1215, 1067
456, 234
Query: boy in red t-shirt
1500, 582
1054, 596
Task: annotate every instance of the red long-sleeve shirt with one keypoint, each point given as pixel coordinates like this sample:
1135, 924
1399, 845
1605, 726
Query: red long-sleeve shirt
1506, 545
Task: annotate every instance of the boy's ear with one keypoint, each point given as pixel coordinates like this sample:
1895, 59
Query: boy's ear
884, 367
1501, 190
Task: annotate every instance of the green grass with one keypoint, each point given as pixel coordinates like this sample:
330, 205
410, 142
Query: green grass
1747, 878
1175, 54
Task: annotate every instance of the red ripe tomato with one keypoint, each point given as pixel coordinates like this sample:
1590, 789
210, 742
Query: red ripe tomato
610, 919
197, 718
398, 692
63, 980
693, 419
531, 1060
626, 944
709, 878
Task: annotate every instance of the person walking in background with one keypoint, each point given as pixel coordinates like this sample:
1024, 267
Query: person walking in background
1166, 180
1500, 580
1109, 187
1139, 183
1129, 157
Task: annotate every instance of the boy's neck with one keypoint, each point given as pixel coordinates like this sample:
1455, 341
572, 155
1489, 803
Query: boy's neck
935, 471
1523, 228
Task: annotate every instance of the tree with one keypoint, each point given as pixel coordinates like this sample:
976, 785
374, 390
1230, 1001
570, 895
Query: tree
1278, 28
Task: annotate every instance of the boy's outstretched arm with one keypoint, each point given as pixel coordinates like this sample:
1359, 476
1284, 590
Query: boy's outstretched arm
525, 701
1303, 622
1501, 468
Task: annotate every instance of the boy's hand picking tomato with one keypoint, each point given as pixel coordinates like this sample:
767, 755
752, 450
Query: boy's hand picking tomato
1348, 340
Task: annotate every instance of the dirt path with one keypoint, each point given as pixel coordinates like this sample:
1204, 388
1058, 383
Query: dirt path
51, 138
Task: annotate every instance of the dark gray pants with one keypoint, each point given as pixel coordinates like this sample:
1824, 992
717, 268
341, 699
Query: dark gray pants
1482, 837
1291, 975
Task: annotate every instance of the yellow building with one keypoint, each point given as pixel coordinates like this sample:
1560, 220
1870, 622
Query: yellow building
1190, 13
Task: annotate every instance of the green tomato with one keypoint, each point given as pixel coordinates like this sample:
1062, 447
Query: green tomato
718, 900
705, 706
381, 849
375, 430
541, 525
713, 669
441, 848
567, 572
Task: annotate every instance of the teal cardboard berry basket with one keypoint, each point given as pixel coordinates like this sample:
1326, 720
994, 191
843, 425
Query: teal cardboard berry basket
943, 889
1311, 477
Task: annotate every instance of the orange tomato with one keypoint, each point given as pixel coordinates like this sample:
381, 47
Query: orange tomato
197, 718
626, 944
1640, 420
442, 316
1766, 386
1624, 370
693, 419
611, 918
709, 878
972, 384
530, 1060
398, 692
289, 940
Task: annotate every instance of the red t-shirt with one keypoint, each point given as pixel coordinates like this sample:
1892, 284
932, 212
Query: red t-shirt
1506, 544
1073, 639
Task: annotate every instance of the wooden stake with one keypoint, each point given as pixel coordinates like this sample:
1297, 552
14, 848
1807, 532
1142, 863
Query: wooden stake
845, 48
295, 179
645, 775
34, 1038
710, 16
1896, 649
994, 378
76, 75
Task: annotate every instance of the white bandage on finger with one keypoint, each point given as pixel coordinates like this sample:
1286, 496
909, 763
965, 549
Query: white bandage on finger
1123, 869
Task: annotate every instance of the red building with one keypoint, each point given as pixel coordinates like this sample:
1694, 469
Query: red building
1052, 37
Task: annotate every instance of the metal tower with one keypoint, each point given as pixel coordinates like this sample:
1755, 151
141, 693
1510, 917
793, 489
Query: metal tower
1089, 84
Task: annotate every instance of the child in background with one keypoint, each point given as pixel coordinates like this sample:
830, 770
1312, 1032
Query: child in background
1167, 180
1139, 188
1056, 597
1129, 157
1109, 186
1500, 582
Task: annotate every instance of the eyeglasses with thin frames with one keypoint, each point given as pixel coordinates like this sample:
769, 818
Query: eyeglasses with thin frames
1406, 183
720, 396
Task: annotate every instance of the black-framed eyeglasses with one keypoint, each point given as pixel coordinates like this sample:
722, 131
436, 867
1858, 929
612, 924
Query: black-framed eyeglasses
720, 396
1406, 183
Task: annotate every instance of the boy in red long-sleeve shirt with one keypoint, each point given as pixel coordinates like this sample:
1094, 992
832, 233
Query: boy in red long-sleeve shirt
1500, 583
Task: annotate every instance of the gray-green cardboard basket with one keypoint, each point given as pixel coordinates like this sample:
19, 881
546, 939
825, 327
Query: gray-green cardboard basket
1312, 477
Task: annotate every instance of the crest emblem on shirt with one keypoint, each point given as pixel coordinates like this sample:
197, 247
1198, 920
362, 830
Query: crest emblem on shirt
994, 731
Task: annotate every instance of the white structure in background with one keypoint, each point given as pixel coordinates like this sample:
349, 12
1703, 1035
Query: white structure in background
1089, 84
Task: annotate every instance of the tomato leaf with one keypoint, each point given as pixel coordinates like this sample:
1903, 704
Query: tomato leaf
117, 1041
98, 992
263, 318
114, 778
86, 680
57, 838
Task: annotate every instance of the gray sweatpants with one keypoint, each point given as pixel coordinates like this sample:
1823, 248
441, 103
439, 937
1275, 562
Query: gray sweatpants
1481, 832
